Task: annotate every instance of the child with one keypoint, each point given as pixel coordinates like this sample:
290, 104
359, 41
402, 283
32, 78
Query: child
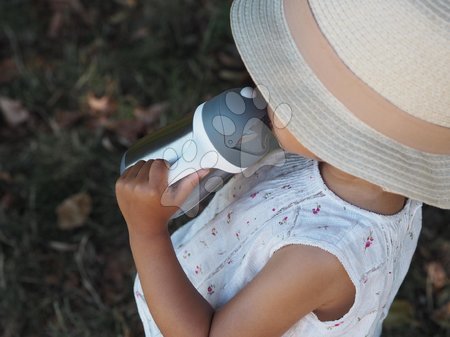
358, 95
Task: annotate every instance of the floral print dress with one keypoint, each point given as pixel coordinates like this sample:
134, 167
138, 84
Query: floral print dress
280, 201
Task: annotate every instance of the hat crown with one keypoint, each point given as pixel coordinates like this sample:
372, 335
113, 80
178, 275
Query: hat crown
401, 49
394, 53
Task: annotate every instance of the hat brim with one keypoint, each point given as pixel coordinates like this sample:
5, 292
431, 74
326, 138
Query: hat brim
320, 121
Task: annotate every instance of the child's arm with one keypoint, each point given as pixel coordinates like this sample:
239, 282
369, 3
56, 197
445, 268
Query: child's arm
297, 279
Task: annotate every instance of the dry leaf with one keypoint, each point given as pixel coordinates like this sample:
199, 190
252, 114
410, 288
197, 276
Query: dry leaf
129, 130
13, 111
436, 274
442, 315
7, 200
118, 266
6, 177
56, 23
101, 106
140, 33
8, 70
151, 114
74, 211
66, 119
59, 10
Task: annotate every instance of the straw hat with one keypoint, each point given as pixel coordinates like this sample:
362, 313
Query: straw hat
363, 84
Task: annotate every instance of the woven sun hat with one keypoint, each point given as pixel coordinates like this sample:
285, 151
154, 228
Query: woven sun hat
363, 84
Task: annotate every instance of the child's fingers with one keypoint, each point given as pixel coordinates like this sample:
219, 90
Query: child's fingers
186, 185
143, 174
159, 170
132, 171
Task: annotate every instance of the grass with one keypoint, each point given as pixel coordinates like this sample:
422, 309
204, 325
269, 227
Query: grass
137, 54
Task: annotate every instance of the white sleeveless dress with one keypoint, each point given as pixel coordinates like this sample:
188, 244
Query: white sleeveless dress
270, 206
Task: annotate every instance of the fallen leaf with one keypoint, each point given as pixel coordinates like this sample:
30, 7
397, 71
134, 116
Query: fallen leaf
129, 130
442, 315
6, 177
151, 114
66, 119
101, 106
436, 275
56, 23
7, 200
13, 111
118, 266
8, 70
59, 17
140, 33
74, 211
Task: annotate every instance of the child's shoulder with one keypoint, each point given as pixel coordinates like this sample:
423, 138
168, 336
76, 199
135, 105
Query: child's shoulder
374, 250
359, 238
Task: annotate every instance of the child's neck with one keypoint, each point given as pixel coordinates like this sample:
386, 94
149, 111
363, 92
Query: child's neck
359, 192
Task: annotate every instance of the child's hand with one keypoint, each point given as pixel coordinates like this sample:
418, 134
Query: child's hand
146, 201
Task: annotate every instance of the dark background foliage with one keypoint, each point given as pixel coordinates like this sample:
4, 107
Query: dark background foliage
80, 81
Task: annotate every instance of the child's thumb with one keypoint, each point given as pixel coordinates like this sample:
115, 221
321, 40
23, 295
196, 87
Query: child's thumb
203, 172
188, 183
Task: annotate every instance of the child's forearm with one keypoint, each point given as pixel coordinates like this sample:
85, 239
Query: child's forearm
176, 306
147, 203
